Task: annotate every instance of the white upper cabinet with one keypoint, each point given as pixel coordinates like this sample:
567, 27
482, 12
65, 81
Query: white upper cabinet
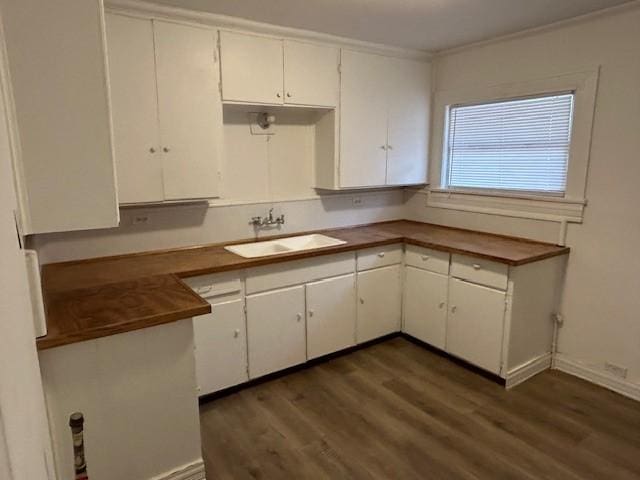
65, 168
252, 68
363, 120
190, 110
311, 74
384, 123
167, 112
265, 70
408, 128
134, 104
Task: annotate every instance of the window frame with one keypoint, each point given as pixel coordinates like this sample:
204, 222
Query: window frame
446, 157
519, 203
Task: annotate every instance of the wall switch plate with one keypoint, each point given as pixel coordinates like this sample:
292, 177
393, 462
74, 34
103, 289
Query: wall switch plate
616, 370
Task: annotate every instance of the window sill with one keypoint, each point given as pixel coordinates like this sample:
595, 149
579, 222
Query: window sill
558, 209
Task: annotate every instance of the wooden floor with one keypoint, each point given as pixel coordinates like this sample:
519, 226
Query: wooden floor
397, 411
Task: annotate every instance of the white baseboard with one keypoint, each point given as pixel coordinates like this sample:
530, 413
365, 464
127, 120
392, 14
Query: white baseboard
528, 370
192, 471
593, 375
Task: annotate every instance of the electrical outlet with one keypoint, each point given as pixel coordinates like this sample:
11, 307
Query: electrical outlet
616, 370
141, 220
357, 201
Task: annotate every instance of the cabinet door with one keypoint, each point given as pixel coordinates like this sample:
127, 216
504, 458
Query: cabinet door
134, 106
379, 302
190, 110
425, 306
221, 347
57, 68
363, 120
252, 68
276, 330
409, 103
311, 74
331, 315
475, 324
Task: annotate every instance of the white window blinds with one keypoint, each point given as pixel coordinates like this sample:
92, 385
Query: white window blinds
520, 144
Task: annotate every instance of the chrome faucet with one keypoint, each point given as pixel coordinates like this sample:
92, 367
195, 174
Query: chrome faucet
267, 221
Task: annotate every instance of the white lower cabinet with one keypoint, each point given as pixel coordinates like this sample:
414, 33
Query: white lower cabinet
276, 330
379, 302
476, 323
221, 347
331, 315
425, 306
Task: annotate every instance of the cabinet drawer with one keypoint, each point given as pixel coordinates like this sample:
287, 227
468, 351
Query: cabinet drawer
297, 272
479, 270
379, 256
216, 284
428, 259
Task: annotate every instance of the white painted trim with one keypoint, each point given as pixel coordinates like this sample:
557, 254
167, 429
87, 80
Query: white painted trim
153, 10
192, 471
568, 208
23, 216
549, 209
524, 372
617, 9
623, 387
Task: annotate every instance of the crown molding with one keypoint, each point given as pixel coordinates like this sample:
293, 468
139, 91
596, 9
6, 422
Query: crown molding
615, 10
153, 10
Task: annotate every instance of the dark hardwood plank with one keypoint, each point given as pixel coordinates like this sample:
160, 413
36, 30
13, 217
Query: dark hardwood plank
395, 410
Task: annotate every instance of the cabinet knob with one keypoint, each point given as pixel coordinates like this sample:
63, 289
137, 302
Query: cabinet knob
236, 333
362, 301
278, 95
476, 266
389, 147
288, 95
299, 316
311, 313
453, 309
425, 258
383, 147
381, 254
152, 150
441, 305
165, 149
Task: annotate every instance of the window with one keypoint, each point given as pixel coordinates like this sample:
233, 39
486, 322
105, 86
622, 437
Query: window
519, 145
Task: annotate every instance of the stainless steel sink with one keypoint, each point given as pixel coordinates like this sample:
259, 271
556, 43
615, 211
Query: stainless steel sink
283, 245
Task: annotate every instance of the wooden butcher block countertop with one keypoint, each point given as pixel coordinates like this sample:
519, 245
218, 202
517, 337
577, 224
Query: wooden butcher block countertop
93, 298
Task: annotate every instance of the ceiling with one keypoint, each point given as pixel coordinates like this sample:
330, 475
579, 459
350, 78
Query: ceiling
422, 24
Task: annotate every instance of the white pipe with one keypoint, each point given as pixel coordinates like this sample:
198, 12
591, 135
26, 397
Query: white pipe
562, 237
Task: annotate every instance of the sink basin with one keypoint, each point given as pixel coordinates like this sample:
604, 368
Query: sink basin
284, 245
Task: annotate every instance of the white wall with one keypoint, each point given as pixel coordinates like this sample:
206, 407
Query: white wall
267, 167
601, 302
196, 224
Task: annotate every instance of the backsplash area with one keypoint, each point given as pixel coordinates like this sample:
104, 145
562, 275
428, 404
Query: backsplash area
153, 228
